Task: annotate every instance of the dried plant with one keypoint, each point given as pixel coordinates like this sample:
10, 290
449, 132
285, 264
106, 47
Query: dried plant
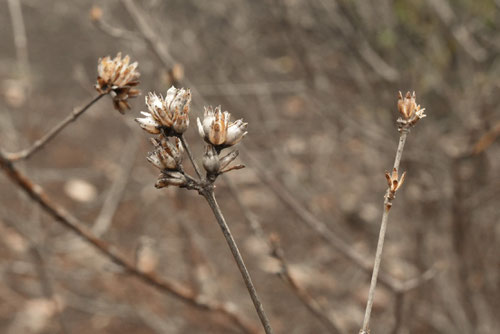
168, 118
115, 77
411, 113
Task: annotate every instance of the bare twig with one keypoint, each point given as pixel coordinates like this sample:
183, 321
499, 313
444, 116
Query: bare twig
210, 197
312, 304
170, 287
26, 153
381, 238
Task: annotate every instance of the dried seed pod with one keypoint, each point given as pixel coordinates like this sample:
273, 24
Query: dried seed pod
171, 178
166, 156
117, 77
216, 129
409, 109
171, 112
211, 160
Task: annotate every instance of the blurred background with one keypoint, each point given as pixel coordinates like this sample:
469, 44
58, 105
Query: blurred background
317, 81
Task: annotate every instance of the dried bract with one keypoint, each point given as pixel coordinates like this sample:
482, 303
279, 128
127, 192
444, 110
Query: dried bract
411, 112
171, 178
216, 129
392, 180
166, 156
171, 112
118, 78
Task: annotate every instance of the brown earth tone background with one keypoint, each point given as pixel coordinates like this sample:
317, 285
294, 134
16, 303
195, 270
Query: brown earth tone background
317, 81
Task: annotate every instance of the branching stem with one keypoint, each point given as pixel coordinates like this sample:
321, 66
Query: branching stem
37, 145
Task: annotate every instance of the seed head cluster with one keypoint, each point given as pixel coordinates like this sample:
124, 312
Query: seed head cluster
168, 118
118, 78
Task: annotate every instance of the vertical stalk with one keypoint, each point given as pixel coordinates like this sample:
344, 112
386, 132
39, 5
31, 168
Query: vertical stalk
210, 197
381, 237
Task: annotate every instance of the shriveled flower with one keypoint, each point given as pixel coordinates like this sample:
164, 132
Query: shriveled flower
171, 178
118, 78
166, 156
409, 109
171, 112
216, 129
393, 182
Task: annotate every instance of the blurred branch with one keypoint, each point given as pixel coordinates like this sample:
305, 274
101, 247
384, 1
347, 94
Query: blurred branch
103, 26
318, 226
312, 304
20, 40
115, 192
170, 287
458, 30
26, 153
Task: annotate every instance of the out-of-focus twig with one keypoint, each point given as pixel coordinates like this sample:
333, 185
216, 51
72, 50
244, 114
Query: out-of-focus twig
312, 304
115, 193
26, 153
20, 39
170, 287
320, 227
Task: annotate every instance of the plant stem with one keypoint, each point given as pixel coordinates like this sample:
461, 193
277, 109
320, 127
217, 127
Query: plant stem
37, 145
210, 197
381, 237
111, 252
190, 155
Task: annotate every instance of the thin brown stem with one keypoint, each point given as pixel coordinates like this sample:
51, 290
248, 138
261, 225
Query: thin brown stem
191, 157
210, 197
175, 289
381, 237
37, 145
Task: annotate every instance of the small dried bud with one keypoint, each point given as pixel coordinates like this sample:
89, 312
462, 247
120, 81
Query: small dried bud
393, 182
211, 160
170, 178
217, 130
171, 112
166, 155
117, 77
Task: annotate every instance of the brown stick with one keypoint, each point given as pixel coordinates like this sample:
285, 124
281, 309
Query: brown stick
170, 287
26, 153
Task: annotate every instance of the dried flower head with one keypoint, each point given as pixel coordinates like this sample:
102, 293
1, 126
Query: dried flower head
216, 129
166, 156
117, 77
171, 112
409, 109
